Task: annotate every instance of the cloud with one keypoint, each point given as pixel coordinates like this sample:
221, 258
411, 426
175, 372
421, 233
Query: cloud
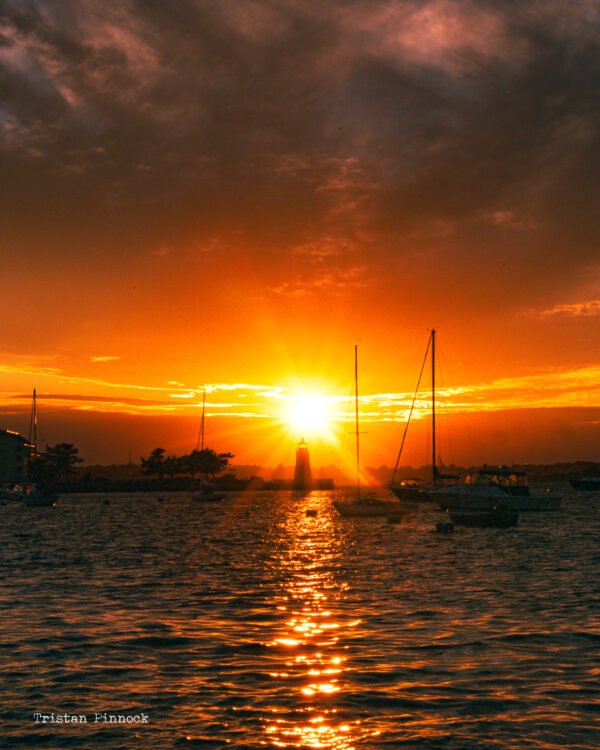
105, 358
588, 309
65, 398
269, 131
551, 389
310, 283
439, 34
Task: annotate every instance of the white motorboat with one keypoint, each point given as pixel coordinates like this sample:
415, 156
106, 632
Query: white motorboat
492, 487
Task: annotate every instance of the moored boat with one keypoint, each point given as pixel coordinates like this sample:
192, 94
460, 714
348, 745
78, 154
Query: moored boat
497, 518
486, 488
41, 501
586, 484
207, 496
369, 505
35, 494
206, 493
411, 489
10, 493
362, 505
38, 497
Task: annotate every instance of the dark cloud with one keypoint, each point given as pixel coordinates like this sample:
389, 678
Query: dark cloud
469, 127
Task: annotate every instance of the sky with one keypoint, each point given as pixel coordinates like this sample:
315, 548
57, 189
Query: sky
229, 196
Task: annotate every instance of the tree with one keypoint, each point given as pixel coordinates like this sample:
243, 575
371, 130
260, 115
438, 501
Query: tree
172, 466
207, 463
155, 463
56, 464
38, 470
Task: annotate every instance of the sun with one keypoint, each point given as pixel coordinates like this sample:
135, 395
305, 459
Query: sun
308, 416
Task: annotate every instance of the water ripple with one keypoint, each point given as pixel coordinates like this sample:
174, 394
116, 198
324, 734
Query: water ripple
252, 625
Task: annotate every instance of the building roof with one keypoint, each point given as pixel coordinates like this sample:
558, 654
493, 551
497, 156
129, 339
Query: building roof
13, 435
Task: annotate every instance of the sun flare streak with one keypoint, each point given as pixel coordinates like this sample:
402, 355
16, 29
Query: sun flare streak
309, 414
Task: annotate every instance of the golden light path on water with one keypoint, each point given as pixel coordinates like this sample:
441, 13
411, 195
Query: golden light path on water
247, 624
313, 638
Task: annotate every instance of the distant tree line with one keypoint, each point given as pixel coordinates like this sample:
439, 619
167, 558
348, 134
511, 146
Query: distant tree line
204, 463
56, 468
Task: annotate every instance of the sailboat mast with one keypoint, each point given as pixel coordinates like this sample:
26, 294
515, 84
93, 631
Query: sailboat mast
202, 423
356, 418
200, 442
33, 424
433, 446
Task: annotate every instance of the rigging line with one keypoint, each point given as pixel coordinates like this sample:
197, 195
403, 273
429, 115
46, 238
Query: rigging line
33, 423
463, 435
426, 452
442, 368
411, 411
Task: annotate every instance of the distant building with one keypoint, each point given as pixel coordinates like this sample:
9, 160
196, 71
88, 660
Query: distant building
324, 483
302, 477
14, 452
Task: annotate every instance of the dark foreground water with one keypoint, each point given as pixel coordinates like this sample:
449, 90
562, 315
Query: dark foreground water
247, 624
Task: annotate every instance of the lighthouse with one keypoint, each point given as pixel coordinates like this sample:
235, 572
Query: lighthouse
302, 477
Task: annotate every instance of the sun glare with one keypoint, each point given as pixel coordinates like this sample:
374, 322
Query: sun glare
308, 416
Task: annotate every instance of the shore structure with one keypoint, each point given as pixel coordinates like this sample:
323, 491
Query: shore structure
14, 454
302, 473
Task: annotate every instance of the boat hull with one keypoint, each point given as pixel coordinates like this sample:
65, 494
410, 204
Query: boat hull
368, 508
207, 497
8, 496
39, 501
586, 485
518, 503
493, 519
412, 494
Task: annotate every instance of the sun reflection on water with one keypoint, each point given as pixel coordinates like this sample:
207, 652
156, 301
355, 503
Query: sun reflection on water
310, 641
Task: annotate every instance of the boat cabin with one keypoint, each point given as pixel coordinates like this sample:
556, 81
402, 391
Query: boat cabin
411, 483
512, 481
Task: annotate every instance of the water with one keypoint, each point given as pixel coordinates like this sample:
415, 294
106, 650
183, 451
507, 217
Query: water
247, 624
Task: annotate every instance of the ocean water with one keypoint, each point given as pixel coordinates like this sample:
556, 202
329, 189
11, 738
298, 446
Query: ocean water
247, 624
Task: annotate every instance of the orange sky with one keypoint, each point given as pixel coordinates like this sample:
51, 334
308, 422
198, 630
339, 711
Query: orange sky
234, 194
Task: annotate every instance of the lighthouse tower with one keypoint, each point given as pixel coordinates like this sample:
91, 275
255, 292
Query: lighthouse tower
302, 477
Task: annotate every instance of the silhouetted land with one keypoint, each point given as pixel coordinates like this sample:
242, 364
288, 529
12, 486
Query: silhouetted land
128, 477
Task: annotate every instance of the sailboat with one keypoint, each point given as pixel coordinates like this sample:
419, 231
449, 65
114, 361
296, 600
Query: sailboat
206, 493
33, 495
416, 490
365, 505
488, 490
